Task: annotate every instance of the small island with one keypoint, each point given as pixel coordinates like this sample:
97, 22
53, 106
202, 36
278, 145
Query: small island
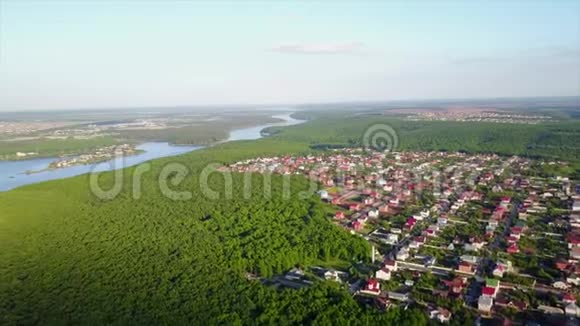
100, 154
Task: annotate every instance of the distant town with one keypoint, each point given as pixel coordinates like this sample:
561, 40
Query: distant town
448, 231
101, 154
481, 116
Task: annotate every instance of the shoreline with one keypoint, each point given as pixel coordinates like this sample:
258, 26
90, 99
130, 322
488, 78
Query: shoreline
18, 173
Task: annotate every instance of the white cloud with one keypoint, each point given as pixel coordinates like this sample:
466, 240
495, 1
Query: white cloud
318, 48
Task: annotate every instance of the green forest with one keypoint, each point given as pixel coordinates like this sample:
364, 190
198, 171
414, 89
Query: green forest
548, 140
71, 258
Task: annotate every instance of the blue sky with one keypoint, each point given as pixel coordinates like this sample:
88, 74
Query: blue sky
84, 54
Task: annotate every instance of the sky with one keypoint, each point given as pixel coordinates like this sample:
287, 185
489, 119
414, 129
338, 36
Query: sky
109, 54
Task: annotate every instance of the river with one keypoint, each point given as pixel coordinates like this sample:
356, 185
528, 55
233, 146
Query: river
13, 173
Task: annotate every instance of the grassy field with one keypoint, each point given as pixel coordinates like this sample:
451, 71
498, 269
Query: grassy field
53, 147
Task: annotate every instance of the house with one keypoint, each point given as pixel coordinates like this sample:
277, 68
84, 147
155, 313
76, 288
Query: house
513, 249
456, 285
568, 298
575, 253
506, 200
512, 240
469, 259
576, 206
441, 315
492, 283
572, 310
403, 254
484, 303
465, 267
515, 304
410, 223
573, 279
499, 270
384, 208
372, 287
332, 275
383, 274
414, 245
420, 240
573, 240
562, 265
548, 310
502, 267
398, 296
357, 225
489, 291
560, 285
339, 215
294, 274
373, 213
382, 303
392, 238
354, 207
429, 261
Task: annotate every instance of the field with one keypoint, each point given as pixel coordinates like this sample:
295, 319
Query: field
53, 147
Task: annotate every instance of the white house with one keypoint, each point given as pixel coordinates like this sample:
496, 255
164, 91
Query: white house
560, 285
374, 213
576, 206
392, 238
383, 274
403, 254
572, 310
484, 303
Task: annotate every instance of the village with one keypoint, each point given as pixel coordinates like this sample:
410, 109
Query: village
482, 116
100, 154
450, 232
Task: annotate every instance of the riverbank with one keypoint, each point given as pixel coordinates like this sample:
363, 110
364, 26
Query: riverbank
13, 173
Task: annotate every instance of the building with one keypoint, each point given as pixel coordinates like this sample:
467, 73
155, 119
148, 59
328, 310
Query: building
560, 285
383, 274
357, 225
465, 267
372, 287
576, 206
441, 315
398, 296
488, 291
568, 298
484, 303
403, 254
572, 310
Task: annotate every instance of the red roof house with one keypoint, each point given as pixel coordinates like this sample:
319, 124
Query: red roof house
488, 291
513, 249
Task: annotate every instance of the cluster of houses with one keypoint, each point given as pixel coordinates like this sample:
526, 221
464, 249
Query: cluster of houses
369, 188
